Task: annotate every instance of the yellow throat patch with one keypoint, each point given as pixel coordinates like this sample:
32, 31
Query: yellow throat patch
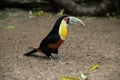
63, 30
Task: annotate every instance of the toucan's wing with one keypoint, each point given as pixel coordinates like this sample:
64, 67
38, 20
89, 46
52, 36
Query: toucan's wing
50, 39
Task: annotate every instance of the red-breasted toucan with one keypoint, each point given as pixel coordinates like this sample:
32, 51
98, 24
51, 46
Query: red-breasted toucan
56, 36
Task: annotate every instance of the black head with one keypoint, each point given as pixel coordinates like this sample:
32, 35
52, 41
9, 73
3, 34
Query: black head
58, 22
68, 20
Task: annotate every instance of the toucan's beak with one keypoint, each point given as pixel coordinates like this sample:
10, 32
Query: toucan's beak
75, 20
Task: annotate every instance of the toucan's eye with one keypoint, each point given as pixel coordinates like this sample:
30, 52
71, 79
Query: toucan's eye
66, 19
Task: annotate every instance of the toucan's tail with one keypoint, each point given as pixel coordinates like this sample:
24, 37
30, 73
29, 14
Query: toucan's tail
31, 52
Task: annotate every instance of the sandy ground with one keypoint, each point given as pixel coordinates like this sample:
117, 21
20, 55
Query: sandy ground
98, 42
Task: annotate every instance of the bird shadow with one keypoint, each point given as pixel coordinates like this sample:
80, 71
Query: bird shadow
41, 57
38, 56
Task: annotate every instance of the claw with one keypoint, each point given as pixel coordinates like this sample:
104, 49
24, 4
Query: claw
58, 56
50, 58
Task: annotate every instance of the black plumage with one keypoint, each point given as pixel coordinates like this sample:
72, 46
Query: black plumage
52, 39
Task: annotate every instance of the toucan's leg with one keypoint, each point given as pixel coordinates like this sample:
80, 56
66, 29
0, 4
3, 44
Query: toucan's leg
59, 56
50, 58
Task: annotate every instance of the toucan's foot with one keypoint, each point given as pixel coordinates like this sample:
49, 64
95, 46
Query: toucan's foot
58, 56
50, 58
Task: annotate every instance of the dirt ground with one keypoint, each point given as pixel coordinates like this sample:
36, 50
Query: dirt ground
98, 42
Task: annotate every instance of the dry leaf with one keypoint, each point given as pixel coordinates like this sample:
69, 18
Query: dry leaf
93, 67
83, 76
69, 78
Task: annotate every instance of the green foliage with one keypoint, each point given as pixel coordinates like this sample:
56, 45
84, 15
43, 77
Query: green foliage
61, 12
36, 13
4, 16
8, 27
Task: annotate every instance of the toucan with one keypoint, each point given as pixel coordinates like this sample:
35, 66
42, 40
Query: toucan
50, 44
